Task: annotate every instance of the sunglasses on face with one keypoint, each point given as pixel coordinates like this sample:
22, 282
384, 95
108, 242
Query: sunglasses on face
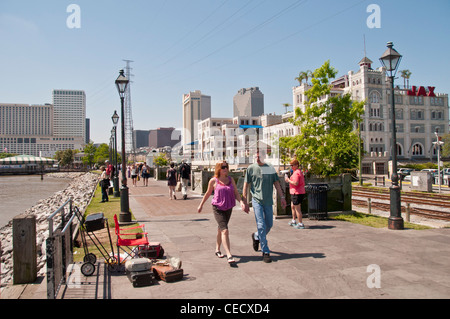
224, 167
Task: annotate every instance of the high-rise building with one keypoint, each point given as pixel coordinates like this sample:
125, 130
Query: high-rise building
248, 102
163, 136
24, 119
196, 107
28, 129
69, 109
140, 138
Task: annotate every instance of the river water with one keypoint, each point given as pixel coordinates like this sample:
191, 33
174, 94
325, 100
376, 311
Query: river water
21, 192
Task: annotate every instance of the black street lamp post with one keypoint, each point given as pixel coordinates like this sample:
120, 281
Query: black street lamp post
391, 60
125, 215
115, 119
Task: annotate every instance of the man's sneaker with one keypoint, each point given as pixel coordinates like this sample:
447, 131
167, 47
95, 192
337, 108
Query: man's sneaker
292, 223
184, 196
266, 258
255, 242
299, 226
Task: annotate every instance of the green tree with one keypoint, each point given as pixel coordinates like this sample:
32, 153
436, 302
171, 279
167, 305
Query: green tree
405, 74
327, 143
65, 157
286, 105
446, 146
304, 75
102, 154
89, 151
161, 160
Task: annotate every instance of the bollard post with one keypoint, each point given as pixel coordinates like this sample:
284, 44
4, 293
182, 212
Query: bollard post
369, 204
408, 212
24, 249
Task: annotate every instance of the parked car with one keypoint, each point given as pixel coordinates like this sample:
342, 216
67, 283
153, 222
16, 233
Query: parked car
445, 171
404, 171
433, 171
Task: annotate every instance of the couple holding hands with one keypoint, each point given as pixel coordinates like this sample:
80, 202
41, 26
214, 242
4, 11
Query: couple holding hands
260, 178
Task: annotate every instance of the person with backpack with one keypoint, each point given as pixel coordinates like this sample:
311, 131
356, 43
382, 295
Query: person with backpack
172, 180
184, 177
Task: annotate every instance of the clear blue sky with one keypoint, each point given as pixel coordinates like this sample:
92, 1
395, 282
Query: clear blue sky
216, 46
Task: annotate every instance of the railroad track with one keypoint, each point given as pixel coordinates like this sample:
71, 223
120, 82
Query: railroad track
437, 206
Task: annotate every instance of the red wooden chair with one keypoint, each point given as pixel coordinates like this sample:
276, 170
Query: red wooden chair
129, 245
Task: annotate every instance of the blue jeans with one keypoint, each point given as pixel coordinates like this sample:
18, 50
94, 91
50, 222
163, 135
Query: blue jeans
264, 222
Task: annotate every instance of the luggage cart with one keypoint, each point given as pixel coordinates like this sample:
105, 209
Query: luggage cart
89, 225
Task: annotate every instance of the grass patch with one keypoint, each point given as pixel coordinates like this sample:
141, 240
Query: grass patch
373, 221
109, 209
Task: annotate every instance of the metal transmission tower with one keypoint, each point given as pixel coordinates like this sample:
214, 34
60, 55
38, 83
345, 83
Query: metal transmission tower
129, 140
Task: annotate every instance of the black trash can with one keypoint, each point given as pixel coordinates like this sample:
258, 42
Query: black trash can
317, 201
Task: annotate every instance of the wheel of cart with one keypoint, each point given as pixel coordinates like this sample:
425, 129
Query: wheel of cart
87, 268
89, 226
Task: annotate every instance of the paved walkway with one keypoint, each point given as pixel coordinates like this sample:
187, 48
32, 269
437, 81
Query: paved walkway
328, 259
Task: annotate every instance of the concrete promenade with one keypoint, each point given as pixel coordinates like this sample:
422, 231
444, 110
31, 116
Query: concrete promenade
329, 259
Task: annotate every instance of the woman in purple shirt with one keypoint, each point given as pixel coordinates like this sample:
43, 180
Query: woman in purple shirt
225, 195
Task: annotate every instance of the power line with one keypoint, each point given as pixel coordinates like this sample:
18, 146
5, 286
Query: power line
246, 34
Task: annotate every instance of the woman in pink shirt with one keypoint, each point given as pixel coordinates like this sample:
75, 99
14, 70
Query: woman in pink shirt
297, 191
225, 196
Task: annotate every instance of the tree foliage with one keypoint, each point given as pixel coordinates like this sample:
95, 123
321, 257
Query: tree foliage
327, 143
89, 151
446, 146
161, 160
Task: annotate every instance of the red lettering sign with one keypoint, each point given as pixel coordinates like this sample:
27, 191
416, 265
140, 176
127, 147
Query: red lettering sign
421, 91
412, 91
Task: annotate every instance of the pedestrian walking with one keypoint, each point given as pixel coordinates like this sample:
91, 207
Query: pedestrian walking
261, 178
133, 174
225, 196
297, 190
172, 177
104, 184
184, 177
145, 174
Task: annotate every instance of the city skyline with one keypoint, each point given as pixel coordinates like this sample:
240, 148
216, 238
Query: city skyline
217, 47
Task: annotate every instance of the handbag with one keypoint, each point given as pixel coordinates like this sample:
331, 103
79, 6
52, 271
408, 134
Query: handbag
178, 187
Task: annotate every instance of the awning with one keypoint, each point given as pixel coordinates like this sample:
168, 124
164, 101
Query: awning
26, 159
250, 126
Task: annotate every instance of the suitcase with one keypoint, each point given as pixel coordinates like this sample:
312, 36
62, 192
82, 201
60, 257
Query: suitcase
153, 250
141, 278
167, 272
138, 264
94, 222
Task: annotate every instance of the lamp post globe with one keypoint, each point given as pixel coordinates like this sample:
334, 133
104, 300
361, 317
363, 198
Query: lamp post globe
391, 60
125, 215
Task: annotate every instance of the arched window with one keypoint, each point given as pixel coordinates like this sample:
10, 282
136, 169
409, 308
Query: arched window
417, 149
399, 150
374, 97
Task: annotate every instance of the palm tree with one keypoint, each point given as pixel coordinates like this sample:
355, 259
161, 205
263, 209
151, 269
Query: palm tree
286, 105
304, 75
300, 78
405, 74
